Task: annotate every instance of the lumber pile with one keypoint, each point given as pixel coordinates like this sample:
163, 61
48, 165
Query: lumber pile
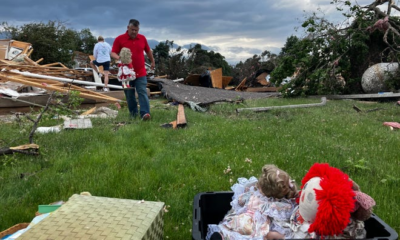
17, 67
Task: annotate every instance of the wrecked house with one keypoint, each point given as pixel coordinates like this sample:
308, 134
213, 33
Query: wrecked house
11, 49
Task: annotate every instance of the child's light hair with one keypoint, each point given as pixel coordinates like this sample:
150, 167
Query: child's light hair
276, 183
125, 55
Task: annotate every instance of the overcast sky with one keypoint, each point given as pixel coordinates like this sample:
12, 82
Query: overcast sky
235, 29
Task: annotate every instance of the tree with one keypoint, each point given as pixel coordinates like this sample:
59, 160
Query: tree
331, 59
161, 56
178, 63
52, 41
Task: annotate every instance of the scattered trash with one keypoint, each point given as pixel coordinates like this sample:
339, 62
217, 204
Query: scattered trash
78, 123
48, 129
392, 125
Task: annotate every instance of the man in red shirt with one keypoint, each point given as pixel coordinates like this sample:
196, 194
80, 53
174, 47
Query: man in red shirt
137, 43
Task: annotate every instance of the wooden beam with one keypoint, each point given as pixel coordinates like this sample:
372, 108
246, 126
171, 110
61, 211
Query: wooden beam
90, 111
30, 61
30, 52
181, 118
82, 92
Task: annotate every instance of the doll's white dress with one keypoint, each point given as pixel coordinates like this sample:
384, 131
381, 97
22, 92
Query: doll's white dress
253, 215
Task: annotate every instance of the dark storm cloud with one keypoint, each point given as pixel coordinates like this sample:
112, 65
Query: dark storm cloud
178, 20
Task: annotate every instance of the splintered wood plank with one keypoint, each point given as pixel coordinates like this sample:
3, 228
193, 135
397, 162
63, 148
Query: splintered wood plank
181, 118
241, 85
84, 93
174, 125
90, 111
226, 80
4, 48
30, 61
25, 146
216, 78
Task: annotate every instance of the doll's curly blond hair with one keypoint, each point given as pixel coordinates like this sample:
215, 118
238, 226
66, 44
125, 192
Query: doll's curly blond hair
276, 183
125, 55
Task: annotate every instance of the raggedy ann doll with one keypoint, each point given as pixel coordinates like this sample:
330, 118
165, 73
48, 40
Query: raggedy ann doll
125, 68
260, 208
331, 206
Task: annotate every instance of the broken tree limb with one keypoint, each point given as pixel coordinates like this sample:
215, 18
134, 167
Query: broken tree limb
30, 149
263, 109
36, 122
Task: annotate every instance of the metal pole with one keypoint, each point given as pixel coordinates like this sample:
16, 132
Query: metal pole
264, 109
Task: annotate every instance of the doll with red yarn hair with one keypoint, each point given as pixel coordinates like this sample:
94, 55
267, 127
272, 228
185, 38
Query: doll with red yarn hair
330, 206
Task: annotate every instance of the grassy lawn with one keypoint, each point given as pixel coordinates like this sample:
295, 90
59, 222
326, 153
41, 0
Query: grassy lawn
142, 160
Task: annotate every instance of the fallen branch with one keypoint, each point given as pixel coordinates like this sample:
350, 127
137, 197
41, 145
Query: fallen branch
34, 127
30, 149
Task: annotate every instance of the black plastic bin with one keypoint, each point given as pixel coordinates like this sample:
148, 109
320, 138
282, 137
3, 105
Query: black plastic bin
211, 207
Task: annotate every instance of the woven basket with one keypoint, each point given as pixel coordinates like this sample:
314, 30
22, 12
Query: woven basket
13, 229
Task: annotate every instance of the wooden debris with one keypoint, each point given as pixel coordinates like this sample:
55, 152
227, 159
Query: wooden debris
181, 118
192, 79
263, 89
25, 147
225, 81
54, 85
90, 111
216, 78
30, 149
261, 79
241, 85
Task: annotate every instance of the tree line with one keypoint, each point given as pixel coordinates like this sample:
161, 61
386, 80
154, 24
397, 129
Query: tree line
55, 42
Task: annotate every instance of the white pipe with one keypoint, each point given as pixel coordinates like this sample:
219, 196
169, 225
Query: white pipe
28, 74
178, 80
263, 109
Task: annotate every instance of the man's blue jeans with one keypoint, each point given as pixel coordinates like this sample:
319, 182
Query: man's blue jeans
140, 85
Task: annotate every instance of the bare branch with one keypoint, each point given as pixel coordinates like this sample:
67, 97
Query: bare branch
34, 127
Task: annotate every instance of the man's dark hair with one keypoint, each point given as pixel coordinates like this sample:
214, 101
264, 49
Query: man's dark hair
134, 22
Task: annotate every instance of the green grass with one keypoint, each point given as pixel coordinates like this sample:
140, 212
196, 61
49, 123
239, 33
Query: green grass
142, 160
